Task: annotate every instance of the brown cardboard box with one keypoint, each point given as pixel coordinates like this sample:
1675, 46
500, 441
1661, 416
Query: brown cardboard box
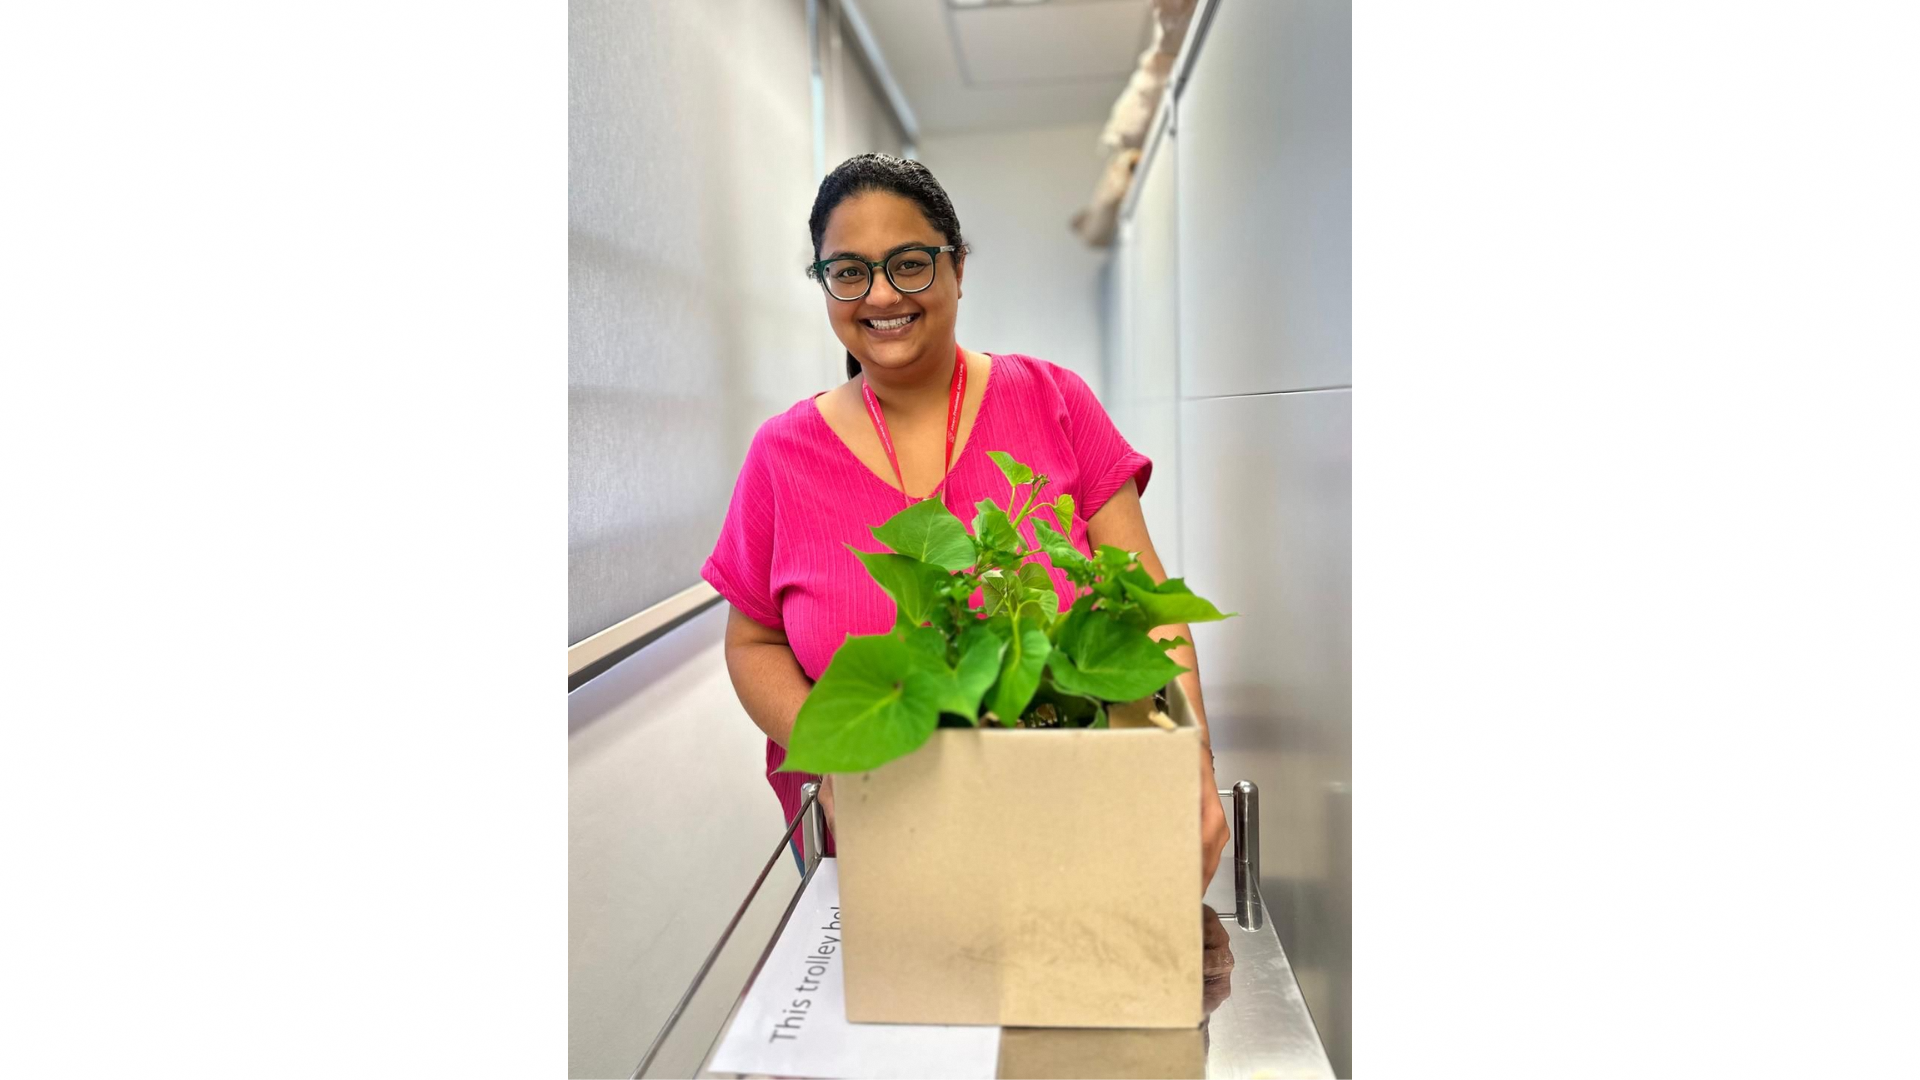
1128, 1054
1026, 878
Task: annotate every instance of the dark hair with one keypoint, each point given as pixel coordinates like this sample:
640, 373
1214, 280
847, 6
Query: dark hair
898, 176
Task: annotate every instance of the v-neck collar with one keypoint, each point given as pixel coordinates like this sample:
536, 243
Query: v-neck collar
960, 454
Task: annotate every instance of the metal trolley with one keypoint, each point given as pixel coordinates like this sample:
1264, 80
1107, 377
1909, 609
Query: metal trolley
1257, 1022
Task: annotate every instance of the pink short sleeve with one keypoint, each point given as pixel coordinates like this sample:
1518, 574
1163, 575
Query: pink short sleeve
741, 565
1106, 460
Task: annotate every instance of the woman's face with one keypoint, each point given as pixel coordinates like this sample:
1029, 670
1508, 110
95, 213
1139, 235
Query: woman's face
872, 225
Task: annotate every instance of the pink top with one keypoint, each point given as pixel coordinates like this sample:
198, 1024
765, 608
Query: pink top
802, 494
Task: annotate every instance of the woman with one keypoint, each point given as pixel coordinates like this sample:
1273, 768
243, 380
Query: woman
890, 259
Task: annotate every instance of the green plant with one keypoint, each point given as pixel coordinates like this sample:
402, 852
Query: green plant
1017, 660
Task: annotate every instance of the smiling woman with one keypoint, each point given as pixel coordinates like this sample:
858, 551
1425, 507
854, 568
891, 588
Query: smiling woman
914, 420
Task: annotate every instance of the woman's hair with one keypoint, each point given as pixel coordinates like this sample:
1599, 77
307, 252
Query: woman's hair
898, 176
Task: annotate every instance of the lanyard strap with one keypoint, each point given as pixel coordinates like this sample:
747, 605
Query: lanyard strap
958, 395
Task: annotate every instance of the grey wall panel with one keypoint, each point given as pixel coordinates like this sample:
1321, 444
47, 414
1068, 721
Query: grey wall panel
1153, 390
1269, 534
1265, 152
689, 156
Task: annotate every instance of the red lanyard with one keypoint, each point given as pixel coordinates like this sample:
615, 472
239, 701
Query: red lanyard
958, 395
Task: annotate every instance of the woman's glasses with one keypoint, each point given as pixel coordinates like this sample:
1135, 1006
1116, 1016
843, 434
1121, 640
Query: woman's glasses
909, 270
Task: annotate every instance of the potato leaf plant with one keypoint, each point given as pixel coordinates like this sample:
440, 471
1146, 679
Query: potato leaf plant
1016, 659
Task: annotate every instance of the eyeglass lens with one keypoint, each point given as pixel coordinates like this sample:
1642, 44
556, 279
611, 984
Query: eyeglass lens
909, 271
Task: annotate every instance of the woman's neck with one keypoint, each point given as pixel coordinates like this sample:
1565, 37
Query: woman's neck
921, 386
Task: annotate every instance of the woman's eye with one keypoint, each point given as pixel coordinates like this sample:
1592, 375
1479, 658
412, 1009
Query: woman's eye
910, 266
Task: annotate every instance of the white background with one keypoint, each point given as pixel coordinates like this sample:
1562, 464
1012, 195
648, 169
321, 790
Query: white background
282, 334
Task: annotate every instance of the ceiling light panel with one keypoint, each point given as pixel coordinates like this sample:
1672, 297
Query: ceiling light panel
1003, 44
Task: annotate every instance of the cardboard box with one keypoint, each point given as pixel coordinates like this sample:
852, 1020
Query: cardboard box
1027, 878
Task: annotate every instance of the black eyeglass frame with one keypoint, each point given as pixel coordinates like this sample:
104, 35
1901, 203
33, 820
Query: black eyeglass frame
817, 271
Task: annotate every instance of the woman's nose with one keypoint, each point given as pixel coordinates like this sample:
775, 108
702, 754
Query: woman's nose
882, 293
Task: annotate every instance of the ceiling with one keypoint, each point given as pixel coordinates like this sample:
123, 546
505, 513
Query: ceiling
1004, 66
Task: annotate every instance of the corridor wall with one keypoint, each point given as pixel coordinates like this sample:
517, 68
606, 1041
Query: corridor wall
690, 320
1230, 290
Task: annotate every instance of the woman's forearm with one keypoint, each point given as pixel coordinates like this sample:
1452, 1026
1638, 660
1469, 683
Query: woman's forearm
770, 685
1189, 680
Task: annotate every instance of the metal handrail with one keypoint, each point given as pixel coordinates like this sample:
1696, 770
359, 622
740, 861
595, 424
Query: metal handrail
595, 654
809, 793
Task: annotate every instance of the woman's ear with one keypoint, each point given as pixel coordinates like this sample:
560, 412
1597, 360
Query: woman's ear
959, 277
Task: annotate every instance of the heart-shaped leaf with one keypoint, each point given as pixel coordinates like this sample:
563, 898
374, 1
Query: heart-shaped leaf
916, 587
929, 532
1062, 508
1109, 660
871, 705
1015, 472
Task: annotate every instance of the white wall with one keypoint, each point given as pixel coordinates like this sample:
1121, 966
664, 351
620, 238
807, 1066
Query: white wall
690, 181
1032, 286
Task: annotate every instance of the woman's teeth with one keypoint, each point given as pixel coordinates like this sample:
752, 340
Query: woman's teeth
890, 324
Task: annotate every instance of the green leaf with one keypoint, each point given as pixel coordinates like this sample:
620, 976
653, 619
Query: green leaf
1066, 636
926, 648
1001, 591
1040, 607
1038, 598
871, 705
1110, 660
1034, 576
1016, 473
1112, 560
959, 691
1062, 508
1061, 552
993, 529
1172, 602
1020, 668
916, 587
980, 653
929, 532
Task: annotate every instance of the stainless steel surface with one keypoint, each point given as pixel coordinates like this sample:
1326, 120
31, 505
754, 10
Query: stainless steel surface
1248, 911
813, 829
1264, 148
1264, 1028
1268, 534
780, 852
1258, 1022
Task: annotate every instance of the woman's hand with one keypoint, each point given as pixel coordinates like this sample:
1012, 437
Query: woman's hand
1213, 822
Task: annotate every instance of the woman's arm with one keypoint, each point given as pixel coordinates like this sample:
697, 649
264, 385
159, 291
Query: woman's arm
771, 687
765, 675
1120, 523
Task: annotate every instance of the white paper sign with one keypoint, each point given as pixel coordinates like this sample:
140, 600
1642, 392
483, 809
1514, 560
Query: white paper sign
794, 1019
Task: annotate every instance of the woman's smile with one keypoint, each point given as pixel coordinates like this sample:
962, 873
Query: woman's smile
892, 327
